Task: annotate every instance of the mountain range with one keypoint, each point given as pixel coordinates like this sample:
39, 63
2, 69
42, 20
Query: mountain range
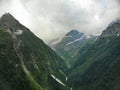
77, 62
96, 63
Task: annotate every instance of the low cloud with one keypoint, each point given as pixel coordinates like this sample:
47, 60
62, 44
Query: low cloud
53, 19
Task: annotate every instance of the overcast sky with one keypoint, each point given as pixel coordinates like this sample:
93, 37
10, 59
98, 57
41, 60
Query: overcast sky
50, 19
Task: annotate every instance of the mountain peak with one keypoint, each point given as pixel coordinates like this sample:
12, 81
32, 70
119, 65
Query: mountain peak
74, 33
112, 29
117, 20
7, 15
74, 30
8, 20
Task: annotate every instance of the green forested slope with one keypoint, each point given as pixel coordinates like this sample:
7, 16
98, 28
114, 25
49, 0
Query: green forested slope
99, 67
26, 63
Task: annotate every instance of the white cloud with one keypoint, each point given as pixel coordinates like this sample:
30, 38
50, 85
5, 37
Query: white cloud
51, 19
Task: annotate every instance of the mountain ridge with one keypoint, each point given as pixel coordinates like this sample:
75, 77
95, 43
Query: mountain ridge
67, 48
88, 63
112, 29
98, 67
26, 61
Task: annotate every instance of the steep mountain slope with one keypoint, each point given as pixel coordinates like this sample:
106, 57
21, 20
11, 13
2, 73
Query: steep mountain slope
99, 67
112, 29
70, 45
26, 63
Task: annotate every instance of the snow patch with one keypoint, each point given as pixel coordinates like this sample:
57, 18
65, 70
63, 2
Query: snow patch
62, 72
18, 32
96, 38
74, 41
62, 57
53, 49
66, 79
98, 32
57, 80
68, 64
118, 34
9, 31
88, 36
71, 88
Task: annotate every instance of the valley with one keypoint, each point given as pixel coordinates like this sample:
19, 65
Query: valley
77, 62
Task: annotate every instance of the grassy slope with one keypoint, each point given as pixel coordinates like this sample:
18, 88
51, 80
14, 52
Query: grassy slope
98, 68
10, 68
39, 60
